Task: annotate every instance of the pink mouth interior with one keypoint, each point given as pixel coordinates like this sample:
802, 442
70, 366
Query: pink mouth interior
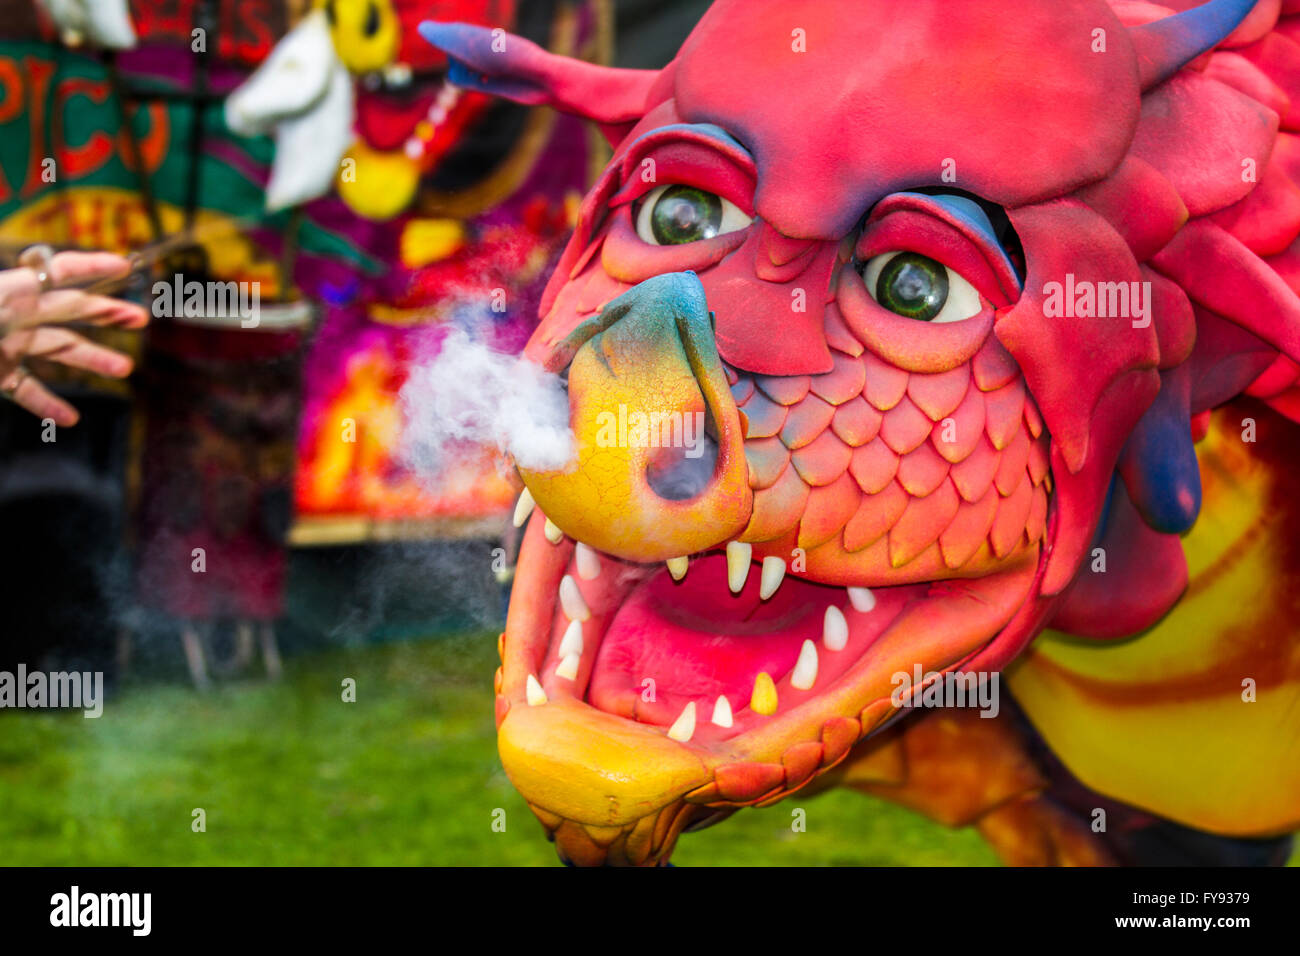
696, 641
648, 646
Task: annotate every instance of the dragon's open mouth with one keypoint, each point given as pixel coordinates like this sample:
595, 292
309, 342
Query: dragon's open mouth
654, 696
708, 666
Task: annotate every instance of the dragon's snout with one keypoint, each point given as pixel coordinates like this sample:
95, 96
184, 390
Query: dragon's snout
660, 469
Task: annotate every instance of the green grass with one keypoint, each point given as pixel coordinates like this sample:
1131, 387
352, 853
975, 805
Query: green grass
408, 775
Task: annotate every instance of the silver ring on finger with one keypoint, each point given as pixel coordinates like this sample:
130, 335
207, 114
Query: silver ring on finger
37, 258
21, 374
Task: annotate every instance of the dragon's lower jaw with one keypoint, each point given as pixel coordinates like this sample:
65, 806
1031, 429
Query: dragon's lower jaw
628, 702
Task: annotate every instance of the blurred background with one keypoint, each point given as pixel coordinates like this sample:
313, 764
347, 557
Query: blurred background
232, 535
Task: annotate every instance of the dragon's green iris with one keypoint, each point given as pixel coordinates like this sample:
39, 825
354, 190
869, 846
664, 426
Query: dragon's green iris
685, 214
914, 286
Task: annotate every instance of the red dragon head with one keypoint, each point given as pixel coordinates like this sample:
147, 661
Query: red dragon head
945, 285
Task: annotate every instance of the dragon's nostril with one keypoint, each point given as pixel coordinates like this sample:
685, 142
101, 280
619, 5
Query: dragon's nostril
682, 473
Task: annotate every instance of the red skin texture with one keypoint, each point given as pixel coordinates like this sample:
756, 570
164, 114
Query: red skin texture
1122, 166
1160, 182
891, 122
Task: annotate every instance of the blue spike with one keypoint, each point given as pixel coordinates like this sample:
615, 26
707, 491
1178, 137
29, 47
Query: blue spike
1158, 463
1166, 46
473, 65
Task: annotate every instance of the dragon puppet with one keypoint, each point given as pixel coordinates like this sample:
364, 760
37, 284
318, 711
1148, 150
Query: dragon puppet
987, 313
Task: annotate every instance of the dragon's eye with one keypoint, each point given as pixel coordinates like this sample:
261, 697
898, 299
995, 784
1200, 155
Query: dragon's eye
672, 215
918, 287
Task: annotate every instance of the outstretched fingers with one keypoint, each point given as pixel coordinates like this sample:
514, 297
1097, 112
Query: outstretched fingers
76, 351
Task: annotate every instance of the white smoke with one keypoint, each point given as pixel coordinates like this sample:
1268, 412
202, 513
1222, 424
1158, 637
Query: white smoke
472, 394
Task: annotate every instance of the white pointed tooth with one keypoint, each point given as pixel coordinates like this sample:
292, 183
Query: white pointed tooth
835, 630
677, 567
553, 532
588, 562
773, 573
571, 643
862, 599
523, 508
722, 712
533, 691
739, 555
683, 728
568, 668
805, 669
575, 608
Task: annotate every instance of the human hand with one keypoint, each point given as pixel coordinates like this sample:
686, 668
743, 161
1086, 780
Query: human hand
34, 299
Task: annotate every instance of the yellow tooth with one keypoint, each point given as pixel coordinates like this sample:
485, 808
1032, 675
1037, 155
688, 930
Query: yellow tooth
534, 693
568, 668
553, 532
763, 700
677, 567
523, 508
575, 608
588, 562
722, 712
739, 555
773, 572
683, 728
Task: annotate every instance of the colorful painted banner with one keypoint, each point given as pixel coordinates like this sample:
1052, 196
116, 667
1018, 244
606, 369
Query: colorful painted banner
120, 157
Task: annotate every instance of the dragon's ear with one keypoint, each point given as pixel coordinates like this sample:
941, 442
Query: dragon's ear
497, 62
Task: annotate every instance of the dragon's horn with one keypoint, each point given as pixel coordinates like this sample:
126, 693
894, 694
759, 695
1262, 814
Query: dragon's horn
496, 62
1166, 46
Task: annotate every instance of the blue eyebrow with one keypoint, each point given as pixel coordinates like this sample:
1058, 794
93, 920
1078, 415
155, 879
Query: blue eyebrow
706, 129
970, 213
